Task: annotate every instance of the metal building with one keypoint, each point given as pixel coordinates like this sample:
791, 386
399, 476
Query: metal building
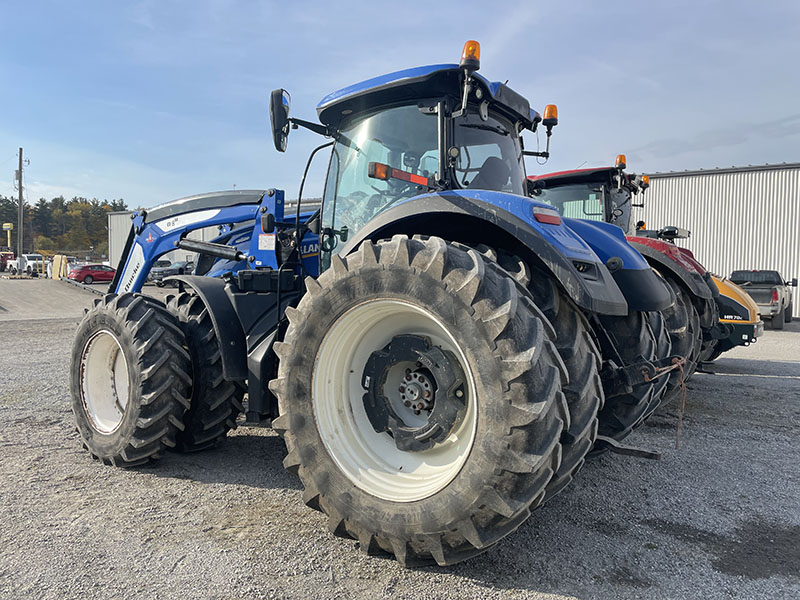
739, 218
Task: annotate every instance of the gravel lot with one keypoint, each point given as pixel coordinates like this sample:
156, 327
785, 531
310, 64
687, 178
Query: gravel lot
717, 518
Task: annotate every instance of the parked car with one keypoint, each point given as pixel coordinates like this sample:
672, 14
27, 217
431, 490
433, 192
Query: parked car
770, 291
180, 267
90, 273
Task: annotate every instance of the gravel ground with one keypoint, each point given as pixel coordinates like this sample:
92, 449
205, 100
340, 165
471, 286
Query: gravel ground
717, 518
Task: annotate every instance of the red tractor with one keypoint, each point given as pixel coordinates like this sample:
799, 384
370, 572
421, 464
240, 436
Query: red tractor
607, 194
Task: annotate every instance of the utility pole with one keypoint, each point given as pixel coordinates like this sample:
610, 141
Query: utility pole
21, 214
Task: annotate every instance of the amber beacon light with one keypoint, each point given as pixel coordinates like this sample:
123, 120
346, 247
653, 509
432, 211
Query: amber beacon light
550, 119
471, 56
621, 161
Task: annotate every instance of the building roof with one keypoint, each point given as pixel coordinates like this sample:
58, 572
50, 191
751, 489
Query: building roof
767, 167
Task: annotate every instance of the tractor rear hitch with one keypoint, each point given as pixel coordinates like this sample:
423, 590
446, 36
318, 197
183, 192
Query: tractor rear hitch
621, 380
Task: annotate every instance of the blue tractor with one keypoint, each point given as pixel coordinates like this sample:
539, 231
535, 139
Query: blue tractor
426, 342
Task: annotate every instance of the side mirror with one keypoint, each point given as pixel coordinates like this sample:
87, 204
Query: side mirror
794, 282
279, 101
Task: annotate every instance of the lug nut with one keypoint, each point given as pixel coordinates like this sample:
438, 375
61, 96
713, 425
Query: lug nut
459, 393
401, 389
426, 394
408, 377
407, 403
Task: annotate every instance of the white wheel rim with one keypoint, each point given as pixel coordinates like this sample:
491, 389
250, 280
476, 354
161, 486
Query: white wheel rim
371, 460
104, 381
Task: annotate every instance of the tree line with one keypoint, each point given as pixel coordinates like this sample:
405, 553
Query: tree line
59, 226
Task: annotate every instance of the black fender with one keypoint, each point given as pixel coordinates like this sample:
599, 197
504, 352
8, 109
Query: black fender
462, 219
709, 308
695, 283
226, 323
644, 290
246, 324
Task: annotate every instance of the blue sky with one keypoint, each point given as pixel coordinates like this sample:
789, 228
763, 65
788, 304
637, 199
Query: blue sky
154, 100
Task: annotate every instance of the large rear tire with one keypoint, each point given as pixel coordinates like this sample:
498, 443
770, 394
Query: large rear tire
658, 324
634, 341
215, 402
577, 348
709, 343
479, 475
129, 379
683, 325
584, 390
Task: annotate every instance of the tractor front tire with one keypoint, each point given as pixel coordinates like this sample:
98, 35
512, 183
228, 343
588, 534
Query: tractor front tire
129, 380
215, 402
424, 487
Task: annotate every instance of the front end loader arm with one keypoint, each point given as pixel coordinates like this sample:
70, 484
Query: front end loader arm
156, 231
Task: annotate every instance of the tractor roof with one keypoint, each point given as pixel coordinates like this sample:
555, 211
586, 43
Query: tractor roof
574, 175
432, 81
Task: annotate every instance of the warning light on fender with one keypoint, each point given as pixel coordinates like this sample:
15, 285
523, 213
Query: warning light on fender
549, 216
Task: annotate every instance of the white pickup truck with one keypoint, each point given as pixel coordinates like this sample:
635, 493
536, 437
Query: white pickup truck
31, 263
770, 291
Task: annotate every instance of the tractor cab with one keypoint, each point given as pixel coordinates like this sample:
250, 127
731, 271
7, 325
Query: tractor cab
434, 128
602, 194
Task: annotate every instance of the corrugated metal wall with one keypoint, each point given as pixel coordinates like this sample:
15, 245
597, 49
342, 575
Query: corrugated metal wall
739, 219
119, 224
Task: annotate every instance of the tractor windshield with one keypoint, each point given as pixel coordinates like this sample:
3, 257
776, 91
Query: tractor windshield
576, 201
405, 138
591, 201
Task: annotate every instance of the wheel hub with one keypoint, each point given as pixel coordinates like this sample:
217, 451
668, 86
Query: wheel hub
104, 381
414, 392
